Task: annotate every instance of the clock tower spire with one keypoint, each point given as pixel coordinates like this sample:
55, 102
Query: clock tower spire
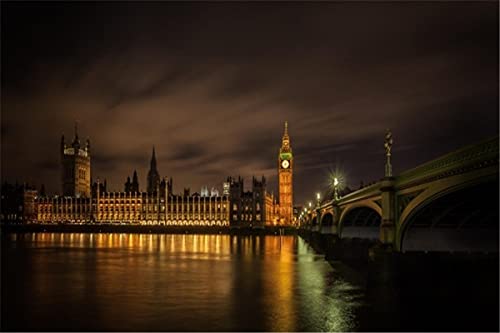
285, 173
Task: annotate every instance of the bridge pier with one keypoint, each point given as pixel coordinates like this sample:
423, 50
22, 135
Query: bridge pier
388, 225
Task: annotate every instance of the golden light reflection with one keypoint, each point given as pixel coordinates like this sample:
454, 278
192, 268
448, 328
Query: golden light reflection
281, 285
183, 273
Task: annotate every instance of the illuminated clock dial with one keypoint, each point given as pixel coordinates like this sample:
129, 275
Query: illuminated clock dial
285, 164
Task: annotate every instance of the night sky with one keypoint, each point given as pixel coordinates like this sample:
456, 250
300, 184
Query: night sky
211, 84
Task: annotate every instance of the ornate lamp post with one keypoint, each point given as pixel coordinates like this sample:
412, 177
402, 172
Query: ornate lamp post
387, 227
318, 204
335, 188
388, 146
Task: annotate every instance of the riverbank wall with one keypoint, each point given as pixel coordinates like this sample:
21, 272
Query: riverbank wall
380, 264
147, 229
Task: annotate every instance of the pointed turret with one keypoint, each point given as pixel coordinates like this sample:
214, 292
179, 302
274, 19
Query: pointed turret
76, 140
127, 185
153, 175
153, 160
135, 183
285, 141
42, 191
63, 144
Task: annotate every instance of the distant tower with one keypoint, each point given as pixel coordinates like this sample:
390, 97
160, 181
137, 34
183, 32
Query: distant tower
285, 173
128, 185
259, 200
75, 162
214, 192
204, 191
153, 175
135, 183
225, 188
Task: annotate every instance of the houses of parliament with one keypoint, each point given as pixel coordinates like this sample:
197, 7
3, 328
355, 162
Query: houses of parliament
83, 201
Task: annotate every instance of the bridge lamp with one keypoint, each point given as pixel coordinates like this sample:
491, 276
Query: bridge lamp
336, 188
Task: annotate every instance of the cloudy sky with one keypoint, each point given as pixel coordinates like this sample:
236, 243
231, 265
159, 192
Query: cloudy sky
211, 84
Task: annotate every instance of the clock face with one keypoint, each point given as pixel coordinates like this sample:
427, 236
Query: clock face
285, 164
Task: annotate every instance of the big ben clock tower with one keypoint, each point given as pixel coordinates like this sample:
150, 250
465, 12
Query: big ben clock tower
285, 173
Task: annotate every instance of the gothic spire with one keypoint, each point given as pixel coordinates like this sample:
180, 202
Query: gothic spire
153, 160
76, 140
63, 144
285, 135
135, 183
76, 131
285, 142
153, 176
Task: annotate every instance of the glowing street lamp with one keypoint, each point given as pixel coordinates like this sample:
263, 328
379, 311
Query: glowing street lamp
335, 187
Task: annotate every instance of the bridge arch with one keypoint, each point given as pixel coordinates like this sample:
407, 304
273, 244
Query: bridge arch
456, 216
327, 219
365, 203
360, 220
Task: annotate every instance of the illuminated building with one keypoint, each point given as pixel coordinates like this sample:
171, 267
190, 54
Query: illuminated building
225, 188
204, 191
135, 208
75, 168
285, 175
251, 208
158, 205
17, 202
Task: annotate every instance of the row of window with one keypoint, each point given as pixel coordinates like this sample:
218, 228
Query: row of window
246, 217
82, 173
246, 208
47, 208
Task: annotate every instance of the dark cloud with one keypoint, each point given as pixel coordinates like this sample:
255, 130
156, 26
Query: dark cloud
186, 152
210, 85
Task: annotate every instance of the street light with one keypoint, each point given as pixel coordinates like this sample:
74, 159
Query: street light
335, 188
310, 204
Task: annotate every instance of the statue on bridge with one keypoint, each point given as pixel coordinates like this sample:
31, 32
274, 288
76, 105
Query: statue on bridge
388, 147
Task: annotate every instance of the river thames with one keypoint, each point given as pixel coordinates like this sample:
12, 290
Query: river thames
153, 282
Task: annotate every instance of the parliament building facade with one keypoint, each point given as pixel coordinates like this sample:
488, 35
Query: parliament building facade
84, 202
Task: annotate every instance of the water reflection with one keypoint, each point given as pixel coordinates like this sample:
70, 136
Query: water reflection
171, 282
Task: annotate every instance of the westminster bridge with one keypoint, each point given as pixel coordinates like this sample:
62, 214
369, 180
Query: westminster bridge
449, 204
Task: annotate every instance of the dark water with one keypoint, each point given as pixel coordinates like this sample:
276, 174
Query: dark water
134, 282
